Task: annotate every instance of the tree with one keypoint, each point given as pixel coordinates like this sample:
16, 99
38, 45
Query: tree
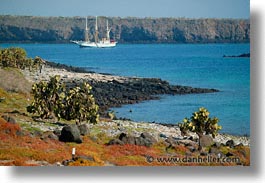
201, 124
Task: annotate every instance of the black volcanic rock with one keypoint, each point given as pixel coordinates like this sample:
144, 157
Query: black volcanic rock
70, 133
134, 90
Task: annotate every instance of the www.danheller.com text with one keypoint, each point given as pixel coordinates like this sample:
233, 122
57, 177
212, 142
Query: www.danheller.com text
187, 159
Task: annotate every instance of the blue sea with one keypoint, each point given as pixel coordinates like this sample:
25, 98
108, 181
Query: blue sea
196, 65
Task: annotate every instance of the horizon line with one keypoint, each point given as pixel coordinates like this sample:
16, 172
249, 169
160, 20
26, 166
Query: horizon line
127, 17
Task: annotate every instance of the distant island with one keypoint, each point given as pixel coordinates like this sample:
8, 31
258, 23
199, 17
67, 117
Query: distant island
124, 30
247, 55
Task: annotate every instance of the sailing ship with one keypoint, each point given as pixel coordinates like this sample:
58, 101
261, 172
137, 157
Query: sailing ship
103, 43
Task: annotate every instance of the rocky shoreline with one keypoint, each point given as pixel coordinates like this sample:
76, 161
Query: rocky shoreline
113, 91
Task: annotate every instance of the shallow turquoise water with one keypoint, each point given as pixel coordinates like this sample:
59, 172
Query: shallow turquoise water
197, 65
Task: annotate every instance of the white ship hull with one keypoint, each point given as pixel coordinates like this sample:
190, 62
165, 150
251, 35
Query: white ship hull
97, 45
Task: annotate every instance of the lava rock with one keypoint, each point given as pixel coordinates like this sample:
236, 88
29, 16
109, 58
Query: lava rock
171, 141
49, 135
145, 139
141, 141
128, 140
148, 137
70, 133
115, 142
133, 90
83, 129
205, 141
230, 143
57, 132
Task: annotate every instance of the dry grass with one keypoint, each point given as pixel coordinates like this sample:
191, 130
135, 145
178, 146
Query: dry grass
12, 80
13, 101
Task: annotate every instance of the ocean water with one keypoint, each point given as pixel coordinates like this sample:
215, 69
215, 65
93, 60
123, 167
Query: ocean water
196, 65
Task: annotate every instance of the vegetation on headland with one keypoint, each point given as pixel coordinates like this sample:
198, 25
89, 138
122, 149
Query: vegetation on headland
17, 58
24, 142
125, 30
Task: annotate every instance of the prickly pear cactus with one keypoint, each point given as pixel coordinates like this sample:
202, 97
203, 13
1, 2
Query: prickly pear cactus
80, 105
200, 123
48, 98
51, 99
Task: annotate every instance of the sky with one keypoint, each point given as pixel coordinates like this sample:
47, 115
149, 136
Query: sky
125, 8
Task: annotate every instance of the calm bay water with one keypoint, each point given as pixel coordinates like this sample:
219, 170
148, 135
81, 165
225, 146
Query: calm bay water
197, 65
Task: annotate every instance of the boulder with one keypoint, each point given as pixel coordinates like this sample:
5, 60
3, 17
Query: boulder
206, 141
170, 141
83, 129
129, 140
126, 139
140, 141
70, 133
57, 132
230, 143
148, 137
145, 139
122, 135
143, 142
115, 142
48, 135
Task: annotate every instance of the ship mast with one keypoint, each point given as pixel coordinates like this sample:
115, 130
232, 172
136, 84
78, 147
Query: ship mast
86, 32
96, 28
108, 30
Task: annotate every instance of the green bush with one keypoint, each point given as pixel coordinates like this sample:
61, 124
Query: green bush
53, 100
